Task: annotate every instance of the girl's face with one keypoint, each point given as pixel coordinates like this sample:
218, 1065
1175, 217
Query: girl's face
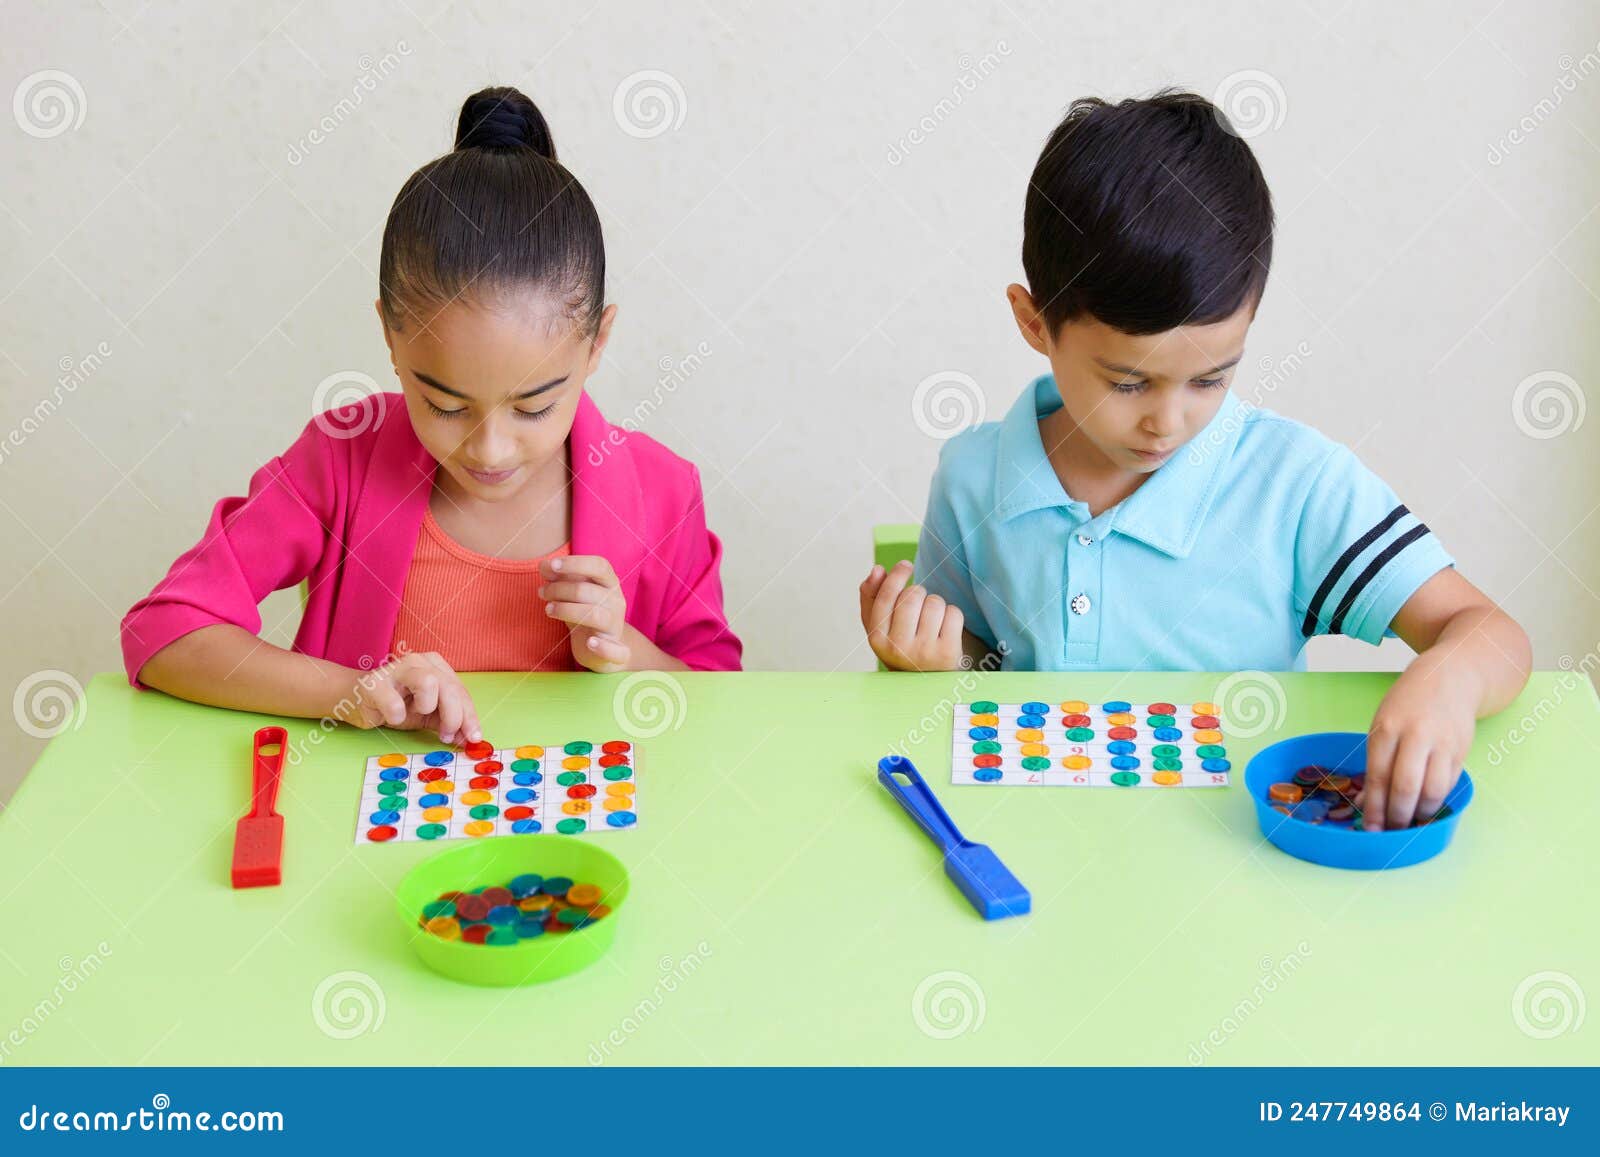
1137, 400
492, 392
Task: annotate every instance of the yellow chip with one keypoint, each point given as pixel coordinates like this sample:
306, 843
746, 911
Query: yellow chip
1120, 719
534, 903
1204, 708
1167, 778
476, 797
1035, 749
436, 815
616, 803
575, 762
575, 807
529, 751
1029, 735
444, 927
1075, 762
443, 787
1208, 737
395, 760
479, 827
1074, 707
622, 787
986, 721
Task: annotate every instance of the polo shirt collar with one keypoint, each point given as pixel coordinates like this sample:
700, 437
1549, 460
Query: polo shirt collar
1165, 513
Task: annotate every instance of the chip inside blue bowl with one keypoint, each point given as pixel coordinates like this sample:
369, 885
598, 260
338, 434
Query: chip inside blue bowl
1336, 843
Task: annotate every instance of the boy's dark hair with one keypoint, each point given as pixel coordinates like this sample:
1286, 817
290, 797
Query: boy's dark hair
1146, 215
497, 215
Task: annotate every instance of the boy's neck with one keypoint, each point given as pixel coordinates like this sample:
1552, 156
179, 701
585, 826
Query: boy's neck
1084, 471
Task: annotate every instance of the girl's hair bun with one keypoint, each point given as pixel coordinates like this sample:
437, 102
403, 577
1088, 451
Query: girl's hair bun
503, 118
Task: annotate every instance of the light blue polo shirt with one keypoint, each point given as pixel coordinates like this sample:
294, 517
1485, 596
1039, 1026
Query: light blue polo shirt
1255, 536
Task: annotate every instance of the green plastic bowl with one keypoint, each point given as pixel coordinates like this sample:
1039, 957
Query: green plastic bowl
496, 861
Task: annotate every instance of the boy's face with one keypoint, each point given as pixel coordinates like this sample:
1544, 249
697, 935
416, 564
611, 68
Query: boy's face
1137, 400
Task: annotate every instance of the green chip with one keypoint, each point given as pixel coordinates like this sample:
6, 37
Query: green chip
438, 908
396, 802
431, 832
578, 747
986, 747
622, 771
1166, 751
569, 778
392, 787
1211, 751
502, 936
572, 917
522, 765
1124, 778
1161, 721
984, 707
1169, 765
1035, 763
568, 827
1079, 734
484, 811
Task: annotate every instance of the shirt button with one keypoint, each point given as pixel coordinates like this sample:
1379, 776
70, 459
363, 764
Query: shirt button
1085, 540
1079, 604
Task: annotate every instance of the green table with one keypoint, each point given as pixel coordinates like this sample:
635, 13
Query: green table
784, 910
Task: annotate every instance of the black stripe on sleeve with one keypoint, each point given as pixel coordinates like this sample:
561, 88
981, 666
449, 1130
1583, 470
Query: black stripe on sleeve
1371, 572
1314, 611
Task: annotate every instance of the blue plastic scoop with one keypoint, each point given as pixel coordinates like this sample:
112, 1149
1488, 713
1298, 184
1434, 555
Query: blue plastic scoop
986, 883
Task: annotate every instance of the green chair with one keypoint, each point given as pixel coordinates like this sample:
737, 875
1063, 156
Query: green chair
894, 542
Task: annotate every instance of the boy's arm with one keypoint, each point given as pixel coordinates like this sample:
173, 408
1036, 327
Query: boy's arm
1472, 660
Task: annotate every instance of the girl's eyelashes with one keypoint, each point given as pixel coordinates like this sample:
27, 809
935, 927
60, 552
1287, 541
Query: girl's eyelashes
1209, 383
534, 415
438, 412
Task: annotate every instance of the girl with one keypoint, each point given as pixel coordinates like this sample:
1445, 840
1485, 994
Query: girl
484, 518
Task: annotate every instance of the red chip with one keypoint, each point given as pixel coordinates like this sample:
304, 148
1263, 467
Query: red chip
1163, 709
551, 924
1074, 721
472, 906
474, 933
615, 746
1121, 733
613, 760
580, 791
381, 833
490, 767
1205, 723
985, 761
431, 774
498, 896
518, 813
482, 749
483, 782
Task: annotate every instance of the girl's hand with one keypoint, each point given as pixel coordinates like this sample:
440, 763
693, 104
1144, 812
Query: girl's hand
907, 628
583, 591
1419, 740
416, 692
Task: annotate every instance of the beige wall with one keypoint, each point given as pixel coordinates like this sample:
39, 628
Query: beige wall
833, 221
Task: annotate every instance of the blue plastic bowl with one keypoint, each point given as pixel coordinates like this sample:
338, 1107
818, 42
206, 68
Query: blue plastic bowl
1337, 844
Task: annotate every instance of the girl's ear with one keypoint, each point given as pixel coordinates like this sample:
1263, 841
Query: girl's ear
1029, 321
388, 338
602, 334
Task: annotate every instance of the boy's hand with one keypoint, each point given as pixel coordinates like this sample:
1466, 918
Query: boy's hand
416, 692
1420, 737
907, 628
583, 591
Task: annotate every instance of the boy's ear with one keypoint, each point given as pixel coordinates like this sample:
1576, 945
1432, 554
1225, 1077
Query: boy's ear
602, 334
1029, 321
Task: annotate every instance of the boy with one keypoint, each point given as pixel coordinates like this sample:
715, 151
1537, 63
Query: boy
1130, 513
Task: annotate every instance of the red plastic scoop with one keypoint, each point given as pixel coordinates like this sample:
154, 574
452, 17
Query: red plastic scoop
258, 838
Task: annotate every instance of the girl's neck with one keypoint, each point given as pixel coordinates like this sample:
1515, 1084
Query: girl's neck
530, 523
1083, 470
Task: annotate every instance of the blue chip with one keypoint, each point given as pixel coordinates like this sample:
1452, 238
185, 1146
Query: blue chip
504, 914
521, 795
524, 827
438, 758
1168, 734
433, 799
1124, 762
525, 885
987, 774
1310, 810
378, 818
621, 819
393, 773
527, 778
527, 929
1121, 747
982, 733
1030, 721
557, 885
1034, 707
1116, 705
1215, 764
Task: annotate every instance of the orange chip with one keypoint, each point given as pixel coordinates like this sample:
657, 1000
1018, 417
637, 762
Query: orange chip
436, 815
1074, 707
529, 751
583, 895
479, 827
1285, 793
443, 787
1075, 762
1035, 749
575, 807
473, 798
1205, 708
575, 762
614, 803
395, 760
621, 787
536, 903
990, 720
1167, 778
444, 927
598, 911
1208, 737
1120, 718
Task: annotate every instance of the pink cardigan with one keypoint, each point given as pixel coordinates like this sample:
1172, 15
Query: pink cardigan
343, 506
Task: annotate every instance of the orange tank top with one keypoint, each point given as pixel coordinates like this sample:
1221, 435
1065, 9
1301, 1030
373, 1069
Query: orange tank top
480, 613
